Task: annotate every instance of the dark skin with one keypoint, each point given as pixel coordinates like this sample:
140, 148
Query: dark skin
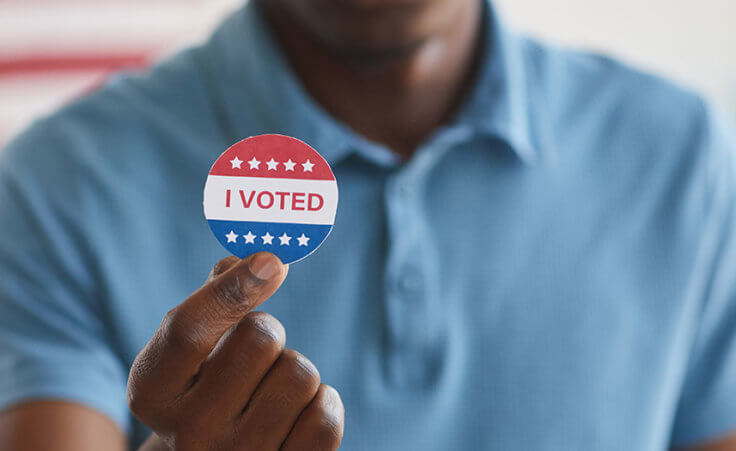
216, 375
393, 70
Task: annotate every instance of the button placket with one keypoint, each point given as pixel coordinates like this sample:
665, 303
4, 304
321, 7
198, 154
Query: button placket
405, 291
410, 283
413, 274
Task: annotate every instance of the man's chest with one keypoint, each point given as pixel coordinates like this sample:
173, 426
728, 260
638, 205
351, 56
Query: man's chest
479, 287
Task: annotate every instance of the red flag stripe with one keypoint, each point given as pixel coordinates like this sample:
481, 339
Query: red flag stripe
71, 63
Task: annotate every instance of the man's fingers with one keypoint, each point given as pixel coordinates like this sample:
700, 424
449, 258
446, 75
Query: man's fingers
287, 389
222, 266
165, 368
320, 426
236, 366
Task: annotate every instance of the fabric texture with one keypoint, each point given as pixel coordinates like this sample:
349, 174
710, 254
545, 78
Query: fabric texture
553, 269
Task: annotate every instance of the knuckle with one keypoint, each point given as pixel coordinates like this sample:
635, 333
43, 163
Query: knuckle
330, 414
228, 293
224, 264
141, 386
300, 371
328, 432
137, 401
332, 401
181, 332
263, 332
144, 406
143, 394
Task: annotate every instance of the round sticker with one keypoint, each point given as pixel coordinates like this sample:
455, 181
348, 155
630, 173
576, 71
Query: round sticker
271, 193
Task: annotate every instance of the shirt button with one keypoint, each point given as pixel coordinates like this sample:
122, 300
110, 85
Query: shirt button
410, 283
404, 189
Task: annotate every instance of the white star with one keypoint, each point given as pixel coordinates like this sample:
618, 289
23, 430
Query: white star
267, 238
249, 238
303, 240
272, 165
285, 239
308, 166
236, 162
232, 237
254, 163
289, 165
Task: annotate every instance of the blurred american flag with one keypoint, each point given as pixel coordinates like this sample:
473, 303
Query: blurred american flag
54, 50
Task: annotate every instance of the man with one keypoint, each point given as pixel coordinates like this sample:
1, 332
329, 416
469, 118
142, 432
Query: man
535, 249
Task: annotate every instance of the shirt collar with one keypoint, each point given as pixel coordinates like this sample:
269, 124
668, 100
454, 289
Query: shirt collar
500, 104
257, 92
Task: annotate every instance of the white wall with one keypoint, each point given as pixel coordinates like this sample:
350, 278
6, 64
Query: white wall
692, 41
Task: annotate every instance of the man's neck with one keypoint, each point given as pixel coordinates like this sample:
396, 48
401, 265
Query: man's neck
396, 100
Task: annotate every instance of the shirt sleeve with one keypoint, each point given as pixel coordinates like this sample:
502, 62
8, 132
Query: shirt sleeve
707, 404
54, 342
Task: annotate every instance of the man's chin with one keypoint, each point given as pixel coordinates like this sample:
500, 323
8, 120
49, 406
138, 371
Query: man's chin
383, 29
367, 4
377, 52
373, 30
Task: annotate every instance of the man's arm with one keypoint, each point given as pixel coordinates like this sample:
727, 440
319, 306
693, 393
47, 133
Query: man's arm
214, 375
58, 425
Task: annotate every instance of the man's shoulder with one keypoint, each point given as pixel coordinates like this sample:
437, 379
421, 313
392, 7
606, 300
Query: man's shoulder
109, 150
129, 117
606, 113
634, 135
579, 88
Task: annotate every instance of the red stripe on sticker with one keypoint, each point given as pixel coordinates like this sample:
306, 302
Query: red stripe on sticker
272, 156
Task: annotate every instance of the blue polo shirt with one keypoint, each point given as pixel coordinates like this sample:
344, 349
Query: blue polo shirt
553, 269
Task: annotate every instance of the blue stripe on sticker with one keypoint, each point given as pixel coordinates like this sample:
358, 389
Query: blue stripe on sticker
289, 242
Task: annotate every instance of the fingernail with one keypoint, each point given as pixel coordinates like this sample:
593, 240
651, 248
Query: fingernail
264, 266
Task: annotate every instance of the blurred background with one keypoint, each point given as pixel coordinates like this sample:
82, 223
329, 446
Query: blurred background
54, 50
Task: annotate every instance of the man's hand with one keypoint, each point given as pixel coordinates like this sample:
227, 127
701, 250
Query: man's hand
216, 376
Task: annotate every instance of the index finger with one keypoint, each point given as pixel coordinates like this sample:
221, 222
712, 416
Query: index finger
166, 366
